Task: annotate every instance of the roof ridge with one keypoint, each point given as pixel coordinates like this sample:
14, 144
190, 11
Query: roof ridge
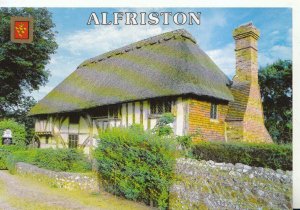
139, 44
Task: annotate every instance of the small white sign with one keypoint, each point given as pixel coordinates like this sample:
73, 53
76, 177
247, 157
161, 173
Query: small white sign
7, 134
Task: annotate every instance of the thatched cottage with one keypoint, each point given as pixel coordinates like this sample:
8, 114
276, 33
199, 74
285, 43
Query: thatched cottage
141, 81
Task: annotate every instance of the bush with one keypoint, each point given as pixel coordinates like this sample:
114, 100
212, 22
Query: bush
10, 163
163, 127
260, 155
27, 156
70, 160
184, 141
136, 164
18, 131
3, 156
5, 151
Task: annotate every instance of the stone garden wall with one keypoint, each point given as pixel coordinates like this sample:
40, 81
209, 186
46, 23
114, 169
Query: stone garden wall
83, 181
210, 185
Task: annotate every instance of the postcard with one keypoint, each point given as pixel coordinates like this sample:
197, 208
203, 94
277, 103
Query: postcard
170, 106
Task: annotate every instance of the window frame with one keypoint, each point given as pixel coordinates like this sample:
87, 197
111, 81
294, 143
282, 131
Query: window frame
214, 111
71, 141
155, 109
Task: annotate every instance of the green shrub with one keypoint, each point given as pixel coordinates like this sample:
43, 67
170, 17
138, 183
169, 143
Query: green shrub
162, 127
184, 141
10, 163
12, 148
27, 156
3, 156
70, 160
18, 131
5, 151
136, 164
260, 155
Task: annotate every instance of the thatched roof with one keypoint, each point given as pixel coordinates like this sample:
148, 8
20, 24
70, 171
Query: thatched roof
165, 65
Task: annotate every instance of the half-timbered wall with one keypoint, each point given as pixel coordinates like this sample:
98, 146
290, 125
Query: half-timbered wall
87, 124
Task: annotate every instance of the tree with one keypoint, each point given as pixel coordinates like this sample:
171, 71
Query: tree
19, 114
276, 88
22, 66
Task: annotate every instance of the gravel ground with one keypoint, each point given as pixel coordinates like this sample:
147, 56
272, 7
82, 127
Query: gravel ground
23, 193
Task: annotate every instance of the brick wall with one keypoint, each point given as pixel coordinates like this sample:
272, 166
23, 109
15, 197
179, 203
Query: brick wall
200, 124
246, 109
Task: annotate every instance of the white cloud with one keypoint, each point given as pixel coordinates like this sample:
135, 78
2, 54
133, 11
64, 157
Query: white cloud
224, 58
274, 32
102, 39
206, 34
275, 53
282, 52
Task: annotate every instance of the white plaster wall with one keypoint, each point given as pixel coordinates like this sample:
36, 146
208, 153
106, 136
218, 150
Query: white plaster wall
65, 137
40, 125
73, 128
153, 122
65, 126
49, 124
82, 138
179, 117
95, 130
56, 126
137, 113
146, 109
112, 123
123, 110
130, 114
83, 126
118, 123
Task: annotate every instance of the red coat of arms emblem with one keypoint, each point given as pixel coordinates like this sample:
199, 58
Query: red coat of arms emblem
21, 29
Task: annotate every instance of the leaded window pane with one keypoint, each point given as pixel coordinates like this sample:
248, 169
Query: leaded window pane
153, 107
160, 108
213, 111
73, 140
168, 106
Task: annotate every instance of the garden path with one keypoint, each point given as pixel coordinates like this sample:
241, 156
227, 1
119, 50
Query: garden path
24, 193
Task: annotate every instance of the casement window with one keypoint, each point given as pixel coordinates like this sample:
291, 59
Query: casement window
102, 112
113, 111
213, 111
160, 106
73, 140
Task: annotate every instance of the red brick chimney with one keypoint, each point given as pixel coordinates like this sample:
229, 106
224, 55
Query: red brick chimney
245, 120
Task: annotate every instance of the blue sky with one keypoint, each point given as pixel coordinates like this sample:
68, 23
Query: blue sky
77, 41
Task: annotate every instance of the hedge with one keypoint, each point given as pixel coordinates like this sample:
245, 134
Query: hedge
5, 151
260, 155
69, 160
136, 164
